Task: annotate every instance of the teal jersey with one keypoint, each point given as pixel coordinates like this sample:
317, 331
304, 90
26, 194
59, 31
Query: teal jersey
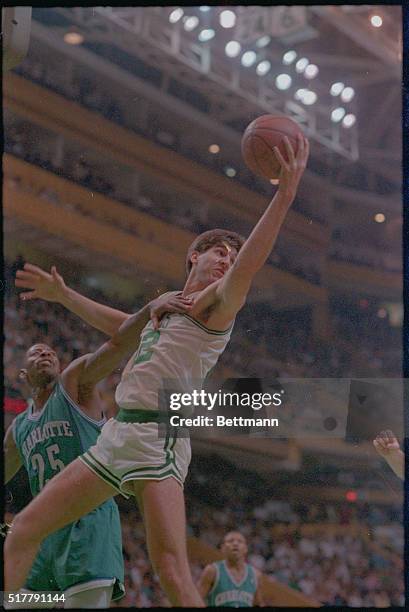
50, 439
230, 594
76, 554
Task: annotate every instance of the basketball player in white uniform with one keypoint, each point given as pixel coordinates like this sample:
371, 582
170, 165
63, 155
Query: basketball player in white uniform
129, 456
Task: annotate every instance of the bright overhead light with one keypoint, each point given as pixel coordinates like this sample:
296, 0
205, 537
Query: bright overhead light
190, 23
337, 114
176, 15
301, 64
248, 58
204, 9
214, 148
263, 67
347, 94
379, 217
206, 35
230, 171
232, 49
73, 38
310, 97
289, 57
283, 81
227, 19
299, 94
336, 89
349, 120
311, 71
376, 21
263, 41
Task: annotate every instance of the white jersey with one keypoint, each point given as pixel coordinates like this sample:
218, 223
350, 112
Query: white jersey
177, 356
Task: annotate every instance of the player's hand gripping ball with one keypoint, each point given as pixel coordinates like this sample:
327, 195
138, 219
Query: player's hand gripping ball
259, 140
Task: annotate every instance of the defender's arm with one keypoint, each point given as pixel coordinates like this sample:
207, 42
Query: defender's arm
51, 287
12, 458
206, 580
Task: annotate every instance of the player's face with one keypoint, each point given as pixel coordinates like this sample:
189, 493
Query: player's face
42, 364
234, 546
214, 263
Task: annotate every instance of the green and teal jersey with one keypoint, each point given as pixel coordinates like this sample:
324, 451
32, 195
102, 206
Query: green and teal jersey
229, 593
48, 441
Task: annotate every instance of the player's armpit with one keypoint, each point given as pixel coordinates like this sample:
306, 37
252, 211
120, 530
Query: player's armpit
206, 580
12, 458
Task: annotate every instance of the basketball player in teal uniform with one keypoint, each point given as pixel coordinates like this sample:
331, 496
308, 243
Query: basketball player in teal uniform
231, 583
84, 559
129, 455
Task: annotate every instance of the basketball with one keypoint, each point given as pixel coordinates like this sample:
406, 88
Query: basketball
259, 138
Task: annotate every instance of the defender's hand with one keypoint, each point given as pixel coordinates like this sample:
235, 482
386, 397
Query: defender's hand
50, 287
386, 443
293, 169
168, 303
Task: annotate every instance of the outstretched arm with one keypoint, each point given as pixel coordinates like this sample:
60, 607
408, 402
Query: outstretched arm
96, 366
51, 287
12, 458
232, 290
388, 447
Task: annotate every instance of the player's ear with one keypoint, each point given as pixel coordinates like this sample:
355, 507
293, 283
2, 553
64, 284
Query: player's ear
194, 257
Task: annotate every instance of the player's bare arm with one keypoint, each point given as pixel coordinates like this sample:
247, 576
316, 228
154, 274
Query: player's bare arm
388, 447
52, 288
258, 596
83, 374
12, 458
232, 289
206, 580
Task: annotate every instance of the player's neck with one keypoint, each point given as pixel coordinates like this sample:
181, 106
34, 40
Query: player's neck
236, 565
40, 395
193, 284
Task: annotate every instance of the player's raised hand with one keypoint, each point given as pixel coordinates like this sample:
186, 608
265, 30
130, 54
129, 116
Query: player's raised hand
43, 285
293, 167
386, 443
168, 303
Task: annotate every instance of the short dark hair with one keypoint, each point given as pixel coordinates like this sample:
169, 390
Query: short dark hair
208, 239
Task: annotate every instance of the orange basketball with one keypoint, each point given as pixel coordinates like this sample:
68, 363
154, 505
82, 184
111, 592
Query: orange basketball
259, 138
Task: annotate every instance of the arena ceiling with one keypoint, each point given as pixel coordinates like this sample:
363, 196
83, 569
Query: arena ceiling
168, 64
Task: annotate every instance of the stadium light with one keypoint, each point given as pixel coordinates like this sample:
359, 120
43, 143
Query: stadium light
283, 81
336, 89
263, 67
376, 21
176, 15
337, 114
231, 172
379, 217
190, 23
206, 35
263, 41
73, 38
309, 98
227, 19
289, 57
311, 71
347, 94
214, 148
301, 65
248, 58
349, 120
204, 9
232, 48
